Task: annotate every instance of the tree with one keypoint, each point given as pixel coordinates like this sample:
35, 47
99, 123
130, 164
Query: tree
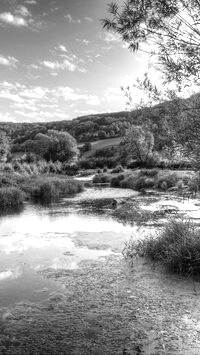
170, 29
138, 143
4, 146
63, 147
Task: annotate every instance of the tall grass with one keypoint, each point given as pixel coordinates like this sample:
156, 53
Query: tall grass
11, 199
177, 247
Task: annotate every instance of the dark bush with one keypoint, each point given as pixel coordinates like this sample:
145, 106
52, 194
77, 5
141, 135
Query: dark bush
11, 199
115, 181
137, 183
101, 179
168, 180
149, 172
117, 170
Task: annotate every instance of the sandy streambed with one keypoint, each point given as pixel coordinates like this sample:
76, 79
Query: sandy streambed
91, 301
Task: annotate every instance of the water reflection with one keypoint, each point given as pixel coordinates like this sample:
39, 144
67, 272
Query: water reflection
58, 237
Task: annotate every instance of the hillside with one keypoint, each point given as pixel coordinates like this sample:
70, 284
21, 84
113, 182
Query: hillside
163, 120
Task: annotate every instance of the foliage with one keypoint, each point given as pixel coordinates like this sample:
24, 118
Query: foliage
176, 247
170, 27
11, 199
138, 144
101, 179
115, 181
167, 181
117, 170
4, 146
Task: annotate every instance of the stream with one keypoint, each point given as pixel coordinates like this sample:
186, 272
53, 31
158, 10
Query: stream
57, 237
65, 288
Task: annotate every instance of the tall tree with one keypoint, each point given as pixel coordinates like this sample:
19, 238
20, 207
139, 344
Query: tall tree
169, 28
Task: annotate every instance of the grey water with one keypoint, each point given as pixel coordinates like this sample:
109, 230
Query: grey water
60, 236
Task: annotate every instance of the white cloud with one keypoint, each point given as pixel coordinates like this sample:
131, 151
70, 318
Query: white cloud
113, 94
30, 2
8, 61
93, 100
86, 42
71, 19
57, 66
89, 19
8, 18
111, 37
62, 48
22, 11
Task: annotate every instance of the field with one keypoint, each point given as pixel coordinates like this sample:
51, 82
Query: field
101, 144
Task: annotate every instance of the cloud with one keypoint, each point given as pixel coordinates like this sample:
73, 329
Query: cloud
111, 37
89, 19
8, 61
86, 42
8, 18
22, 11
71, 19
62, 48
57, 66
30, 2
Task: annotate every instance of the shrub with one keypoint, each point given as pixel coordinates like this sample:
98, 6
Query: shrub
170, 181
117, 170
101, 179
99, 171
177, 247
105, 169
137, 183
11, 198
149, 172
47, 189
115, 181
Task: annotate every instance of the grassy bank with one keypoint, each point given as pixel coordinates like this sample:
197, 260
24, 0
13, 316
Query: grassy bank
142, 179
16, 188
177, 247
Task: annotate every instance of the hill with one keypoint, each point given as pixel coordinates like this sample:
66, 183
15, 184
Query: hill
167, 120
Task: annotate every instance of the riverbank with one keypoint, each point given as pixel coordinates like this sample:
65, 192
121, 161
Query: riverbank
16, 188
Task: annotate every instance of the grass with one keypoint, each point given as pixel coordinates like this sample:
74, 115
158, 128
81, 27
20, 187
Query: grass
11, 199
101, 179
42, 189
177, 247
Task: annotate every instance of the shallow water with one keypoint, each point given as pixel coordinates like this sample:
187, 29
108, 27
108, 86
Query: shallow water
57, 237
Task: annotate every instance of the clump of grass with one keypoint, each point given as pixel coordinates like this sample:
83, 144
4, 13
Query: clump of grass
167, 181
149, 172
177, 247
101, 179
115, 181
47, 189
11, 199
138, 184
118, 169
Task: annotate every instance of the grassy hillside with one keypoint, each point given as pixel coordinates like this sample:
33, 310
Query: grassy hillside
103, 143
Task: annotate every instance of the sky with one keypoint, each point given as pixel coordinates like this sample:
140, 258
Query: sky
57, 63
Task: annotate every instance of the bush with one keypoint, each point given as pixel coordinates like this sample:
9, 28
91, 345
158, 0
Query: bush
137, 183
115, 181
149, 172
117, 170
48, 189
11, 199
169, 181
177, 247
101, 179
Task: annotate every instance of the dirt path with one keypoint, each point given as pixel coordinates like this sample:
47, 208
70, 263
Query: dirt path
107, 309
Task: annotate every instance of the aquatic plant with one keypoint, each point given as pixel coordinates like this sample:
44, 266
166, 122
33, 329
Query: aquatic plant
11, 198
177, 246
